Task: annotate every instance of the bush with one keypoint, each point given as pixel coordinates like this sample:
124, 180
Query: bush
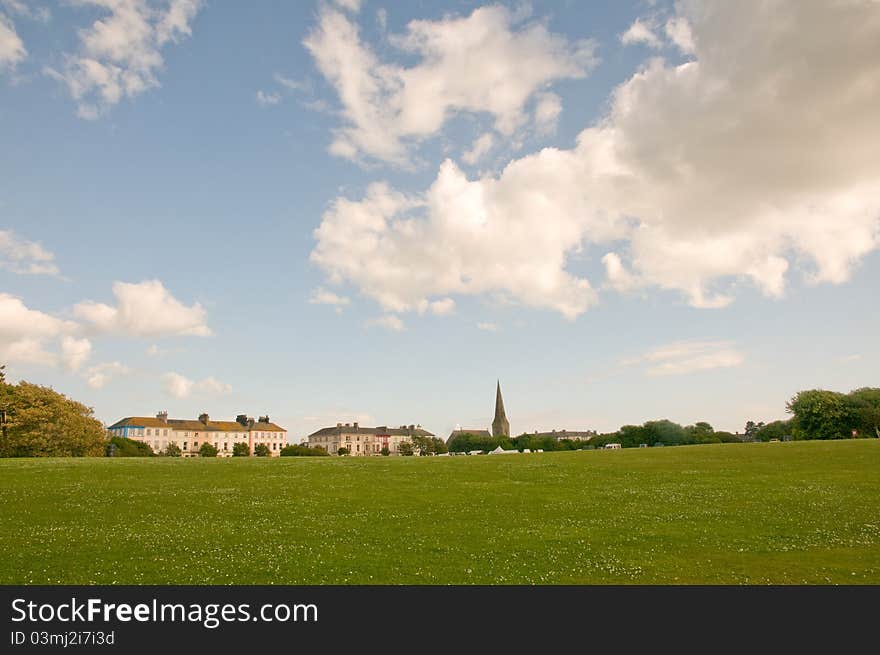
172, 450
302, 450
344, 451
241, 449
385, 452
207, 450
130, 447
261, 450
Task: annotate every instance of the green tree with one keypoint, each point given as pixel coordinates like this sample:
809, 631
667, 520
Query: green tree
821, 414
241, 449
343, 451
301, 450
261, 450
774, 430
385, 452
124, 447
173, 450
752, 429
405, 448
44, 423
701, 432
665, 432
864, 406
208, 449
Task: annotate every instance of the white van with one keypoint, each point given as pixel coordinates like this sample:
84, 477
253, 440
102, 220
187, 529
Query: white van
612, 446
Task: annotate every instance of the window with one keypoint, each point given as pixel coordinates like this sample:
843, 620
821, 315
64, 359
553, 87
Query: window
149, 432
165, 433
224, 445
274, 446
184, 445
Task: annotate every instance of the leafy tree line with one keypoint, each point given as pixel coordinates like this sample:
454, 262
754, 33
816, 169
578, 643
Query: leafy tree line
302, 450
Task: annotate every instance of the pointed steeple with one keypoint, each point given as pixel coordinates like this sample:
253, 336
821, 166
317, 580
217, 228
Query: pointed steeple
500, 426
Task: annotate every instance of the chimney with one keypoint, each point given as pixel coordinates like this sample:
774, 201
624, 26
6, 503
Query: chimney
162, 416
203, 418
355, 425
264, 419
412, 427
242, 419
339, 425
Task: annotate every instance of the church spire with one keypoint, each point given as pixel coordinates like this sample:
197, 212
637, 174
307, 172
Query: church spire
500, 426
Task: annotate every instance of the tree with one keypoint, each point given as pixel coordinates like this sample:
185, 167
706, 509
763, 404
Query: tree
385, 452
864, 406
241, 449
752, 429
44, 423
173, 450
405, 448
774, 430
343, 451
301, 450
3, 374
701, 432
261, 450
208, 449
124, 447
821, 414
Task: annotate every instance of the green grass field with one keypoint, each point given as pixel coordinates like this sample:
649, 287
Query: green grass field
804, 512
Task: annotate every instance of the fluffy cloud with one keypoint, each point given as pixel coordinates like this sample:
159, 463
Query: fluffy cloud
755, 158
685, 357
26, 257
75, 352
12, 50
386, 107
146, 309
641, 31
482, 145
98, 376
487, 327
27, 10
389, 322
121, 53
25, 333
180, 386
266, 99
324, 297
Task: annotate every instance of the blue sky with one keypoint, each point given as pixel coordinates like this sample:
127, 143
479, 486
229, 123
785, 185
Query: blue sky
341, 211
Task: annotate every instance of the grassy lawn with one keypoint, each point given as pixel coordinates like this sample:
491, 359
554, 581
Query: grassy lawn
805, 512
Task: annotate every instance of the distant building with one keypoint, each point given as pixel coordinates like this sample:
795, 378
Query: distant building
573, 435
362, 441
500, 425
189, 435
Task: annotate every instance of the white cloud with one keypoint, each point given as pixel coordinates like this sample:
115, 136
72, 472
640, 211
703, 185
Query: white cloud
752, 161
350, 5
146, 309
321, 296
442, 307
266, 99
387, 107
121, 53
25, 257
180, 386
12, 50
98, 376
685, 357
679, 32
75, 352
482, 144
389, 322
289, 84
153, 350
488, 327
24, 333
27, 10
547, 113
641, 31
